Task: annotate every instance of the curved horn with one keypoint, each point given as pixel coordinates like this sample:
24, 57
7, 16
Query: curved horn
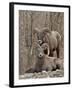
48, 51
46, 30
35, 45
36, 30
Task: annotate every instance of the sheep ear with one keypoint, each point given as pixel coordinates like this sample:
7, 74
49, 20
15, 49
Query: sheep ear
36, 30
46, 30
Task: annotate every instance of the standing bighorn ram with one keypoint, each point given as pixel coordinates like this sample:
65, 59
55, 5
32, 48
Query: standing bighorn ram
52, 38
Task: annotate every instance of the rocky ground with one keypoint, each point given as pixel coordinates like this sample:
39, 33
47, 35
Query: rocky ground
43, 74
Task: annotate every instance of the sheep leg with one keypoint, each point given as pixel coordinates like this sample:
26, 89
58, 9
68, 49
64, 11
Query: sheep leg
58, 52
